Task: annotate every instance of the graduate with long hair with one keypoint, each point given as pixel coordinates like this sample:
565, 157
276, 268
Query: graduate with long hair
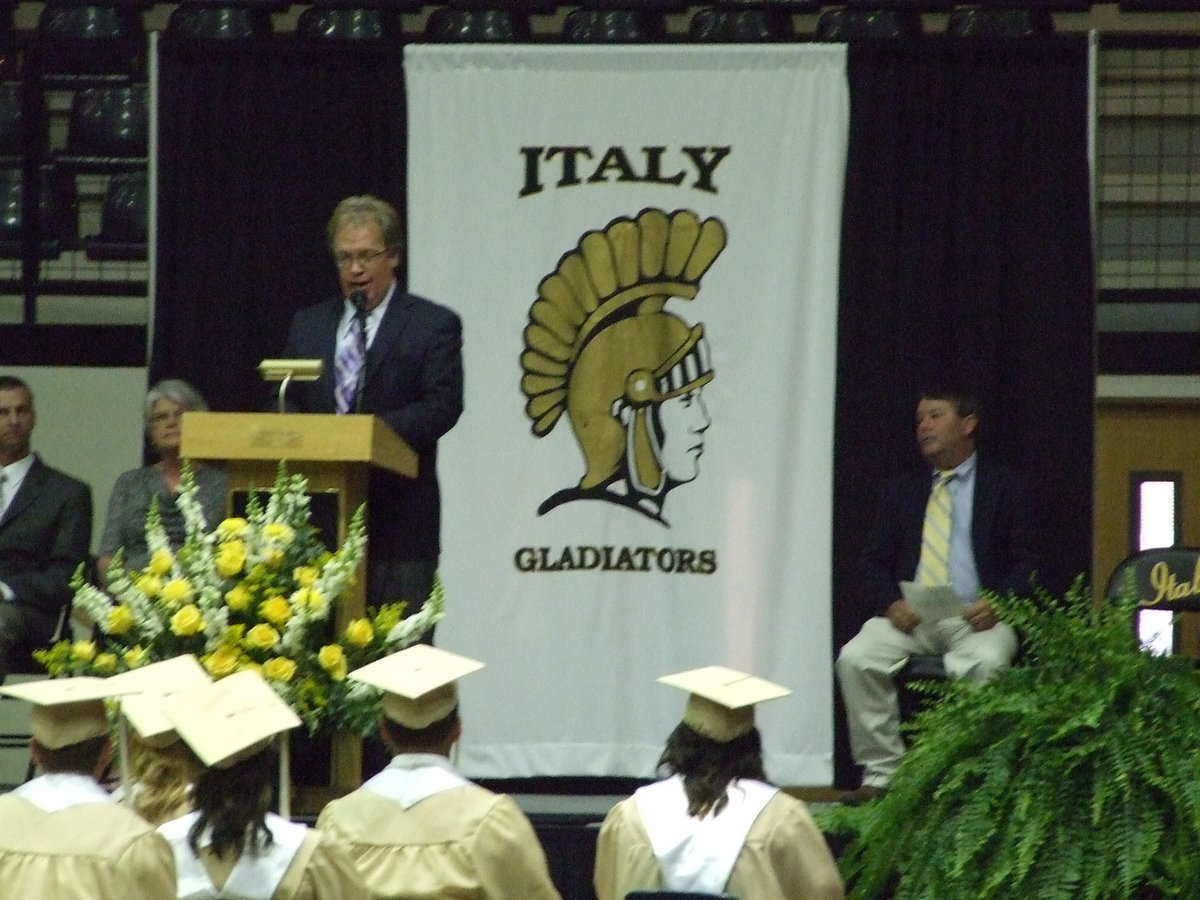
231, 844
714, 823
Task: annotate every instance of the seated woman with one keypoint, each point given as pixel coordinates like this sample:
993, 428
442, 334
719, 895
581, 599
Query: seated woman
231, 845
715, 824
125, 526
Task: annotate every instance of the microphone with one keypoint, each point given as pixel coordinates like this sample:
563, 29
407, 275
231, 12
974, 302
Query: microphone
359, 300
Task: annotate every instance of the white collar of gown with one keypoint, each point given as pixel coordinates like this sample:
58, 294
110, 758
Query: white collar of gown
254, 876
699, 854
411, 777
61, 790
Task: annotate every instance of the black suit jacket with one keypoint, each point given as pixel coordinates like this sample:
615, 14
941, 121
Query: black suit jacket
414, 382
1003, 534
45, 534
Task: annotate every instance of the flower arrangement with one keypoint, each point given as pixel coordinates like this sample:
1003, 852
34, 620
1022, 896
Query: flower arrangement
256, 592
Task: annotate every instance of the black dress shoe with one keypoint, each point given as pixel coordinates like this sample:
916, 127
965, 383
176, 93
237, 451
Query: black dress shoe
864, 794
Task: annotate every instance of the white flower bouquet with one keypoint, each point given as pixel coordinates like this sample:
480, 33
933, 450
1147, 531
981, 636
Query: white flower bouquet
256, 592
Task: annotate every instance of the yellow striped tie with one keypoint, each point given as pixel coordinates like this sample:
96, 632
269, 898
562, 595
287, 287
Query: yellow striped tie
934, 567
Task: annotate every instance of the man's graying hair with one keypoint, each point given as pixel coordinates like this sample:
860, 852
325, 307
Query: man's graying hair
364, 209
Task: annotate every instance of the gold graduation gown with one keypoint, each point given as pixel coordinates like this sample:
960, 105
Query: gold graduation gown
784, 856
419, 830
300, 864
64, 838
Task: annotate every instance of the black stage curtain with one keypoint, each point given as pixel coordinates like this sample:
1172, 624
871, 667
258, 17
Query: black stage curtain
257, 143
966, 259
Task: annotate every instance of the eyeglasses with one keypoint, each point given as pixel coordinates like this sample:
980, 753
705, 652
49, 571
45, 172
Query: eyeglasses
161, 418
362, 257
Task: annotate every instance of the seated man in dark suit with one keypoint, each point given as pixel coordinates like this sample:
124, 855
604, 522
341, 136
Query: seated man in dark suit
45, 531
960, 520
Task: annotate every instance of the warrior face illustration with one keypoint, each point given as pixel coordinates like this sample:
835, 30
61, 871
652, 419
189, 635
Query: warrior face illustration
629, 374
678, 425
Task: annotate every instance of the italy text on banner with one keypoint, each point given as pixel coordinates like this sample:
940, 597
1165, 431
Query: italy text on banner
643, 245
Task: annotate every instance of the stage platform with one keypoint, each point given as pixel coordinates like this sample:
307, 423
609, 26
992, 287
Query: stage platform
567, 826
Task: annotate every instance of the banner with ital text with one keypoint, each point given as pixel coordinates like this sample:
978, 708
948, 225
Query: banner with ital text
643, 245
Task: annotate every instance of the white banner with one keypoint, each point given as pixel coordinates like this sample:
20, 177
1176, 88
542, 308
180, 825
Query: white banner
643, 245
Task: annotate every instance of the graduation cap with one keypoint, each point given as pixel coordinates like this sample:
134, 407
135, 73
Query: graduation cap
154, 686
66, 711
721, 701
419, 683
229, 720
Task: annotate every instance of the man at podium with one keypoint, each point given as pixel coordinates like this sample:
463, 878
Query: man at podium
394, 355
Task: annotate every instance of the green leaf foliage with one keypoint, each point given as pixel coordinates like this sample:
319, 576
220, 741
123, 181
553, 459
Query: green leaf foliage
1073, 775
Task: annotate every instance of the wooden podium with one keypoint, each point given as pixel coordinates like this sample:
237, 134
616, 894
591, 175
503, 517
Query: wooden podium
335, 453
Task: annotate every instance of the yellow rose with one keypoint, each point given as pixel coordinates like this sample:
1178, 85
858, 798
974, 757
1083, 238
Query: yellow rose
134, 656
177, 592
262, 637
104, 663
237, 597
273, 558
359, 633
84, 651
231, 528
276, 611
150, 585
222, 661
279, 668
120, 619
230, 558
333, 660
278, 533
305, 575
310, 599
187, 621
161, 562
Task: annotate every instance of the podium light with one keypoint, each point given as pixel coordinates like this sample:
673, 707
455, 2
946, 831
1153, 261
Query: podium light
286, 371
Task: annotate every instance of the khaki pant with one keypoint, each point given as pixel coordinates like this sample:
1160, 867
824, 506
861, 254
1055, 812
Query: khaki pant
869, 660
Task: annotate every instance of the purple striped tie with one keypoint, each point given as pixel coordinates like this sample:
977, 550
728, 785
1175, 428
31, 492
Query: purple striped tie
346, 365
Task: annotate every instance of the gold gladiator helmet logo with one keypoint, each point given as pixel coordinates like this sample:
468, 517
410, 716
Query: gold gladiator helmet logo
629, 374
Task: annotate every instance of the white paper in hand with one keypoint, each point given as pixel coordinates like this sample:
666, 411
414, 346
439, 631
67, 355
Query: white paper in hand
932, 602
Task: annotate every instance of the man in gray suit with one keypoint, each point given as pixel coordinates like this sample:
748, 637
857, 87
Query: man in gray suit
45, 531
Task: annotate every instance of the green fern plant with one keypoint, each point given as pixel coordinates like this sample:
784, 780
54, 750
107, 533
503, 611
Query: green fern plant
1075, 775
